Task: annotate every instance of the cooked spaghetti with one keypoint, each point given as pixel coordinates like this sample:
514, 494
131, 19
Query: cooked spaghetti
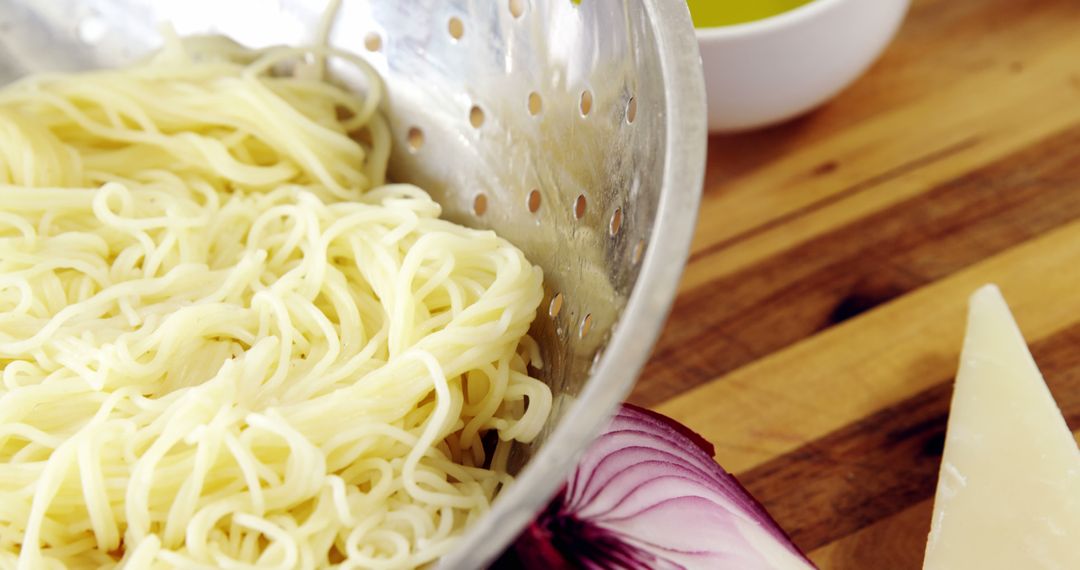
225, 342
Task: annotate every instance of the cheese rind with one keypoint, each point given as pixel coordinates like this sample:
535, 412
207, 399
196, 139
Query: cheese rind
1008, 491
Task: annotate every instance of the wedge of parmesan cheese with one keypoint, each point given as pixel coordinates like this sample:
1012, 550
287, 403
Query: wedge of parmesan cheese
1008, 492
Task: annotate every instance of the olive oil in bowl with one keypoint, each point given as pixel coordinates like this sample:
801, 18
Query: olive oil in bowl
716, 13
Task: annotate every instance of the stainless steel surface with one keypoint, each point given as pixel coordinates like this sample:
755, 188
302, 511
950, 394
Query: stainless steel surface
598, 107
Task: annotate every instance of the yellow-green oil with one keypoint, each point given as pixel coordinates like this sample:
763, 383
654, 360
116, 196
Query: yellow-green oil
714, 13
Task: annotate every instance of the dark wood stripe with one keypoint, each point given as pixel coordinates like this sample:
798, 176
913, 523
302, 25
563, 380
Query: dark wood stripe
873, 469
858, 475
827, 168
735, 319
893, 543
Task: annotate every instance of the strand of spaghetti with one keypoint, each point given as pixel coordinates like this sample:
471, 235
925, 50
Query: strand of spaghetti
225, 343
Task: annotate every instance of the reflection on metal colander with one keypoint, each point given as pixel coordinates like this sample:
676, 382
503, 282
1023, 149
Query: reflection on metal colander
575, 130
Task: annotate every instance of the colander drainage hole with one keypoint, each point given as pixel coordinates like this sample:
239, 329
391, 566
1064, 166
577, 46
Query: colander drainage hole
373, 42
579, 206
586, 324
415, 139
456, 28
533, 201
555, 306
586, 102
476, 117
536, 104
517, 8
616, 222
479, 204
639, 249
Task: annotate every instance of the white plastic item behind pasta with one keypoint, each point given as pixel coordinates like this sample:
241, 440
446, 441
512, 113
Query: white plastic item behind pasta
224, 340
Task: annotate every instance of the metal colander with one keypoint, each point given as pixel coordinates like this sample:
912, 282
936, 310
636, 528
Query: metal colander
575, 130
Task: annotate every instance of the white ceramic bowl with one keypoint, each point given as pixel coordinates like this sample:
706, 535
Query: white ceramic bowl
764, 72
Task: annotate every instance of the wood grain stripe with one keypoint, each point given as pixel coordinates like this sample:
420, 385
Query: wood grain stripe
793, 295
997, 139
796, 179
882, 464
847, 480
882, 357
753, 194
825, 168
893, 543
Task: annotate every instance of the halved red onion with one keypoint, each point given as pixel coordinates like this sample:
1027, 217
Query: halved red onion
648, 495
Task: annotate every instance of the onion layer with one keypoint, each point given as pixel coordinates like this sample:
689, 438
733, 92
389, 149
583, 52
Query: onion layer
648, 495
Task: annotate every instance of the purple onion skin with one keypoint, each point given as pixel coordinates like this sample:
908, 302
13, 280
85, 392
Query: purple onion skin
703, 444
658, 501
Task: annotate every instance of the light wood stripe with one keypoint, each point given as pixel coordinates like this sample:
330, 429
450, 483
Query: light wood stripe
787, 297
896, 542
1000, 124
978, 150
871, 469
854, 369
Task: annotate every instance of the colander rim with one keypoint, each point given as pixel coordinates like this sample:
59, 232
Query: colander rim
646, 310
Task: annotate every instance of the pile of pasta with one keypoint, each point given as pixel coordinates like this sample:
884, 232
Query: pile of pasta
226, 342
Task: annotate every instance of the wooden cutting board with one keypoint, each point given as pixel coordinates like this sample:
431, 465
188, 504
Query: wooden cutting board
820, 319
